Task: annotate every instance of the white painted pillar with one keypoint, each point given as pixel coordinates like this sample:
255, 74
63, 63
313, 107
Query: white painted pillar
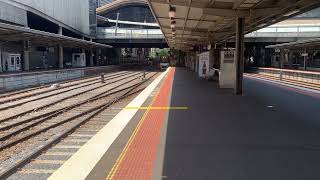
282, 58
1, 70
60, 30
91, 57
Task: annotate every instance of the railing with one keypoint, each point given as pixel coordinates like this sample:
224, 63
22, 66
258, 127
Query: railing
287, 31
304, 76
120, 33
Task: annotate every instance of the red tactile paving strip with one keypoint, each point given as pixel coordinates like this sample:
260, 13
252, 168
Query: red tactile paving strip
137, 159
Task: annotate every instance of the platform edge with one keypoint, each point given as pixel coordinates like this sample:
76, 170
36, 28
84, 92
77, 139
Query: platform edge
85, 163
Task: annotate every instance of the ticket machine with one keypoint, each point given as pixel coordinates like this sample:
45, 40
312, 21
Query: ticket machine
12, 62
227, 77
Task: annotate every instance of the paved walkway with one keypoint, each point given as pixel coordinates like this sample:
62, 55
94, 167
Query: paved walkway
268, 133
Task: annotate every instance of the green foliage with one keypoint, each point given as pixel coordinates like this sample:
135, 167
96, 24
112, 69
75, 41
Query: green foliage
157, 53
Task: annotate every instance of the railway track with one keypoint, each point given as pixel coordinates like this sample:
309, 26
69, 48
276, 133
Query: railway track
307, 85
61, 108
65, 121
69, 87
15, 93
35, 106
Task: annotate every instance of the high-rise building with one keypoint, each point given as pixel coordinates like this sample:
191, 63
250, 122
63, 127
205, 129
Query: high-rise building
103, 2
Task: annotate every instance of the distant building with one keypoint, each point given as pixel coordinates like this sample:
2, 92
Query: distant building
68, 18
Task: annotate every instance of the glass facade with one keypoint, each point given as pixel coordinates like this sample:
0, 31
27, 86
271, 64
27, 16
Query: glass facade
135, 13
315, 13
92, 17
103, 2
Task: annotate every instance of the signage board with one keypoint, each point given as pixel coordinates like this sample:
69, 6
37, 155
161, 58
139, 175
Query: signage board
203, 68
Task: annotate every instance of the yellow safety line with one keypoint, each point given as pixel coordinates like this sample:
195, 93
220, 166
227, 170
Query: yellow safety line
125, 150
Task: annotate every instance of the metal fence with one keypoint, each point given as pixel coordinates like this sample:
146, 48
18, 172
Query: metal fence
304, 76
121, 33
287, 31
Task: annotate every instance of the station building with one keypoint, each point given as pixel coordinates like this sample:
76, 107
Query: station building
122, 18
37, 34
103, 2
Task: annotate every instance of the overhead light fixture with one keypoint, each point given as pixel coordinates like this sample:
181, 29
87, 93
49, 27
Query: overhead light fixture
262, 25
173, 24
292, 12
172, 12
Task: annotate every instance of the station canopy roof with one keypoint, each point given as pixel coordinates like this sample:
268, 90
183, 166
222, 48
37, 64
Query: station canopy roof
18, 33
200, 22
298, 45
120, 3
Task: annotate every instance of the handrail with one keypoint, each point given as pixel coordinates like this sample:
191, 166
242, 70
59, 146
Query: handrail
297, 75
289, 29
112, 33
289, 70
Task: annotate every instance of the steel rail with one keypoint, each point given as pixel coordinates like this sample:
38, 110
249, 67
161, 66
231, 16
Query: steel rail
49, 143
47, 116
60, 100
95, 79
57, 93
95, 110
42, 86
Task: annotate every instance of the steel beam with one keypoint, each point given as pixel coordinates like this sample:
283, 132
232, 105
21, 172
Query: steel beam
226, 12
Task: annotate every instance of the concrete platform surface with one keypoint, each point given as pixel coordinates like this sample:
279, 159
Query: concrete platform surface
270, 132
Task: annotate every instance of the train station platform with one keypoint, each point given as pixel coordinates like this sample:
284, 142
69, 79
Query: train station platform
182, 127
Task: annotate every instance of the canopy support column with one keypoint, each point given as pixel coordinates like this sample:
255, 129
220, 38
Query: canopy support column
26, 55
239, 55
60, 56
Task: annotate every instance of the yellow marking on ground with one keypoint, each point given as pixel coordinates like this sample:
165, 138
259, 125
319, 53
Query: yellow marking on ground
126, 148
48, 161
37, 171
160, 108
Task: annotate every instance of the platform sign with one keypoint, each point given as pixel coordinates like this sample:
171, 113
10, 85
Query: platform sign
203, 68
304, 54
227, 69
